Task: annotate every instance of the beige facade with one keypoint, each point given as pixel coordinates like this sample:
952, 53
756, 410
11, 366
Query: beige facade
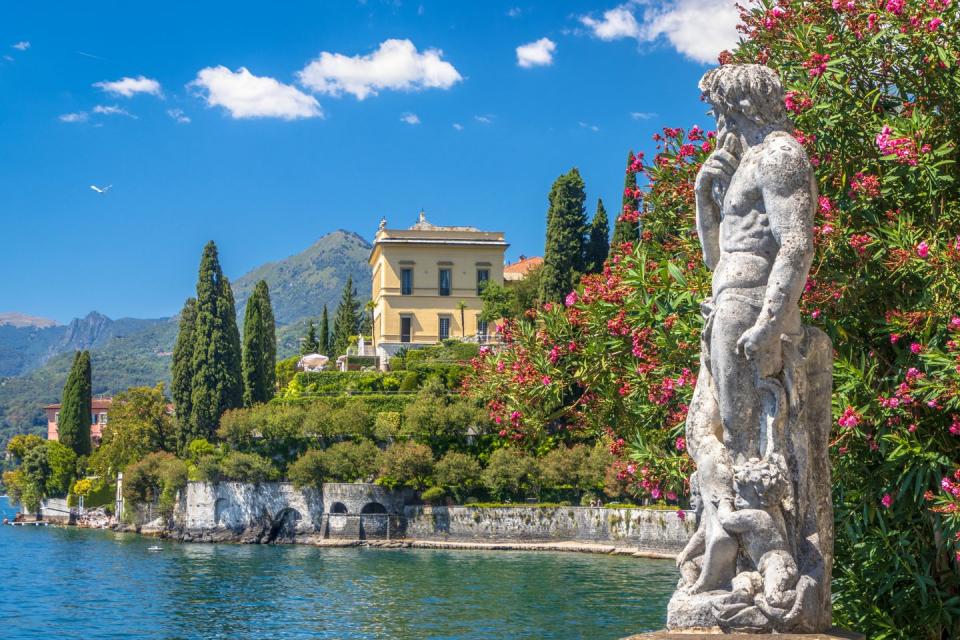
421, 278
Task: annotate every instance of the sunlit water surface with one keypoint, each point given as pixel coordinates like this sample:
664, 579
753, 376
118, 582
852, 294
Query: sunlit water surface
69, 583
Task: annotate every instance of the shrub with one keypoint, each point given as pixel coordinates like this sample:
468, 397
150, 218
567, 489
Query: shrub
247, 467
286, 369
158, 477
458, 472
434, 495
510, 474
62, 463
207, 469
386, 426
309, 470
406, 464
351, 461
561, 467
199, 448
411, 381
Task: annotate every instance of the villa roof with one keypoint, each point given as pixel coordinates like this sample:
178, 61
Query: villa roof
519, 269
97, 404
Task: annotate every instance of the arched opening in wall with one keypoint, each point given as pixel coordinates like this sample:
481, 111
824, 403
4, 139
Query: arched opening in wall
373, 507
284, 526
338, 507
220, 508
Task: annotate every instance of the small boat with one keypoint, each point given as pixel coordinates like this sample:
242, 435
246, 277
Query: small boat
155, 547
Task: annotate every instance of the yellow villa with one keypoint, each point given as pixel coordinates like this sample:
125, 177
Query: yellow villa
427, 282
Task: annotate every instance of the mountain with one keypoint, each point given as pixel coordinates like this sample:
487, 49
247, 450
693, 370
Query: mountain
26, 347
301, 284
35, 355
16, 319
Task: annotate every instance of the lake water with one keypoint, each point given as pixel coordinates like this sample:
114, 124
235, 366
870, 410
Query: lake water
71, 583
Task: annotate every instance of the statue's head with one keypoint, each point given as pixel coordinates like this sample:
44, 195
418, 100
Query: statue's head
751, 91
758, 484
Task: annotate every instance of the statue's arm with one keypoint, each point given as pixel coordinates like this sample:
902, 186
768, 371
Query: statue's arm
717, 171
708, 228
789, 194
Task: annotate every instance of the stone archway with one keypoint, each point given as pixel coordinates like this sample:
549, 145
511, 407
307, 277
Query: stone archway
338, 508
283, 527
373, 507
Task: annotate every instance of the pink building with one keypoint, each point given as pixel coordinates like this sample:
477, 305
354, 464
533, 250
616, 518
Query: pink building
98, 419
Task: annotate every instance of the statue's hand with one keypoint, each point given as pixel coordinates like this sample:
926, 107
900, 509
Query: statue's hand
754, 338
718, 170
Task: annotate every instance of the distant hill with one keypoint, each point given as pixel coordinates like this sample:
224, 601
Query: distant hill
15, 319
35, 354
301, 284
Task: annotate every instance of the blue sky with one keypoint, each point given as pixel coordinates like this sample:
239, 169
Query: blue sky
266, 125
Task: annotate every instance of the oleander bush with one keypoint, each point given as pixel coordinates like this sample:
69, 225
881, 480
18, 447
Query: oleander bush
874, 90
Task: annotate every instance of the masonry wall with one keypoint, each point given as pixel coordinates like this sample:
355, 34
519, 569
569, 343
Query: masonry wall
645, 529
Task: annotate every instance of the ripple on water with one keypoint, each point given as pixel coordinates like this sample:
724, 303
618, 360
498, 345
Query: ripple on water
92, 584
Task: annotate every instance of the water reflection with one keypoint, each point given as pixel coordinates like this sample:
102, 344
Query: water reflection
71, 583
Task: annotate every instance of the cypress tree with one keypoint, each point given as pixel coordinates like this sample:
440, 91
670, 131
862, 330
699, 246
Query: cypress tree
217, 384
347, 320
76, 406
259, 347
624, 230
324, 344
563, 255
310, 344
181, 386
598, 244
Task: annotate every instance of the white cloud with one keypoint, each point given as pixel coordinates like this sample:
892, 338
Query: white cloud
245, 95
8, 58
79, 116
179, 116
410, 118
642, 115
514, 12
129, 87
112, 110
617, 23
536, 54
396, 64
484, 119
23, 45
697, 29
587, 125
458, 126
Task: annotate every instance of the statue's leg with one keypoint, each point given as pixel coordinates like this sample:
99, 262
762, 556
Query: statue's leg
735, 379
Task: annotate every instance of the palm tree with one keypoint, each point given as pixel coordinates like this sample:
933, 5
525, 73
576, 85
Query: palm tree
463, 327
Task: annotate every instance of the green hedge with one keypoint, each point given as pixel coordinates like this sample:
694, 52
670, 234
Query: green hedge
344, 382
373, 402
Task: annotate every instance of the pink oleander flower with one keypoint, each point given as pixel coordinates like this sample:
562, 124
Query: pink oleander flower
895, 6
916, 347
571, 299
923, 249
886, 500
850, 418
934, 24
683, 516
894, 338
681, 444
545, 380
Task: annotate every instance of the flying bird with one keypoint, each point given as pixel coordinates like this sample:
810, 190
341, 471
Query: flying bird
101, 190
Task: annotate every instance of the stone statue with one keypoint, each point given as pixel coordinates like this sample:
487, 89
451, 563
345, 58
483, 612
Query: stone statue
758, 424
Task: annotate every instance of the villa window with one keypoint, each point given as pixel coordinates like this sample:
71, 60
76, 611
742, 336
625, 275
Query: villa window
444, 326
481, 328
446, 275
103, 418
405, 322
406, 282
483, 276
56, 417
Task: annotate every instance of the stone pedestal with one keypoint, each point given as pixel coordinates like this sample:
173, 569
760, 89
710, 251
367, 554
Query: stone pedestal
716, 634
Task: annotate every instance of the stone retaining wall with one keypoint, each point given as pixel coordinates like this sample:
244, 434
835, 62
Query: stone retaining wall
645, 529
277, 512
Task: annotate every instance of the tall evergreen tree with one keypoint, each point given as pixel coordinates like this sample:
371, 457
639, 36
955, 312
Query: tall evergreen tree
566, 227
76, 406
347, 321
625, 230
259, 347
181, 387
217, 384
324, 342
598, 243
310, 344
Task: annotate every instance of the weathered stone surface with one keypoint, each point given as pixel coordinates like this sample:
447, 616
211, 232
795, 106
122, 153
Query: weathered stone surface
658, 531
758, 423
832, 634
